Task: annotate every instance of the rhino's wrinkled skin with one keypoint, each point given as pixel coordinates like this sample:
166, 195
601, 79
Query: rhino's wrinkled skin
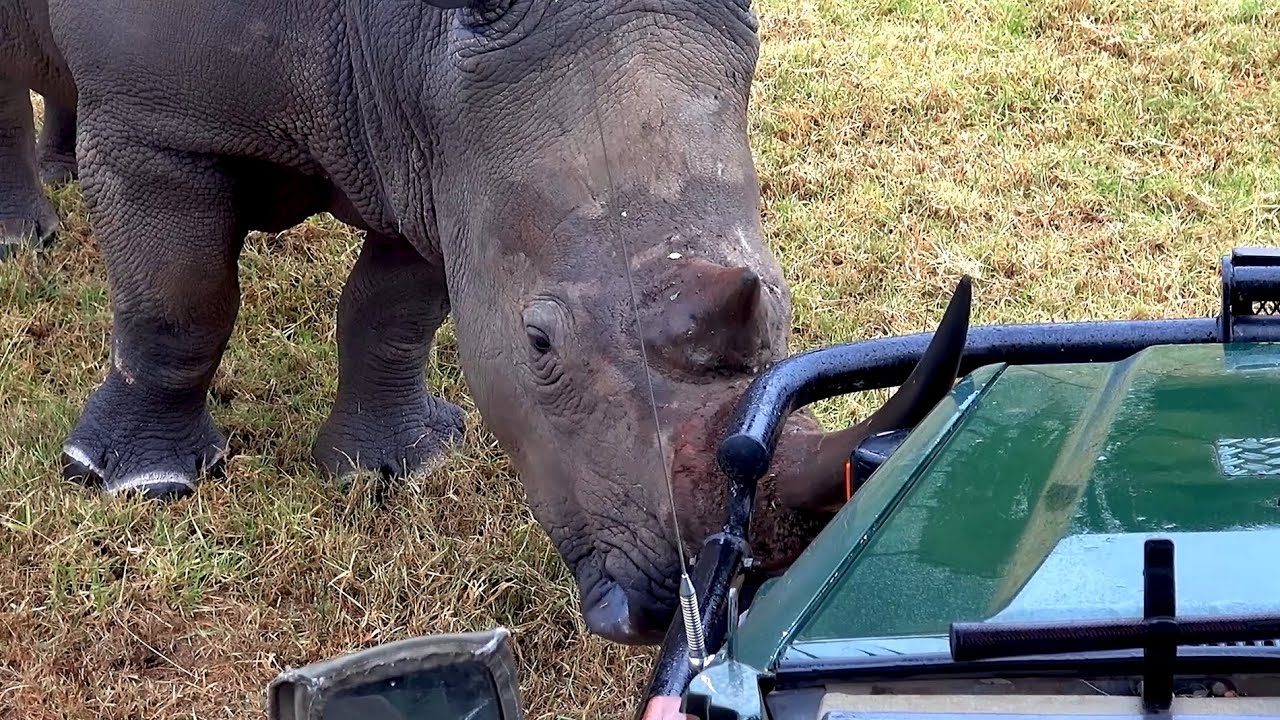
500, 158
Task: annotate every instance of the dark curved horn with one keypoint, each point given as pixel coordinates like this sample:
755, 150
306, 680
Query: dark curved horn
935, 375
809, 467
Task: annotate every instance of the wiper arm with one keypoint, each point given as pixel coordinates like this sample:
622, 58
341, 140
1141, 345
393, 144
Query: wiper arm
1158, 633
988, 641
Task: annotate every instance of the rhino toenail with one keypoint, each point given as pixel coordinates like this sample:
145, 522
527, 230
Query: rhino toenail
155, 485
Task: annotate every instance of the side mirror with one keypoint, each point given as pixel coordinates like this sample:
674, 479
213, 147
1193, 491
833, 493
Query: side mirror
469, 675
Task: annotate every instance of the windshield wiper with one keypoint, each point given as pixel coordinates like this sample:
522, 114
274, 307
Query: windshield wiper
1158, 633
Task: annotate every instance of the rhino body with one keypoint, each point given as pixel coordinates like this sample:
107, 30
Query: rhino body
519, 164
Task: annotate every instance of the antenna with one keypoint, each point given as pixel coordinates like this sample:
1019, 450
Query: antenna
689, 610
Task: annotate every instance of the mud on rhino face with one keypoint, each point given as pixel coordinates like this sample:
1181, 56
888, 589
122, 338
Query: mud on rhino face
600, 147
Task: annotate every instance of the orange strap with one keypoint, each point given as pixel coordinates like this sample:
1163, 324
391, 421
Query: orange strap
848, 480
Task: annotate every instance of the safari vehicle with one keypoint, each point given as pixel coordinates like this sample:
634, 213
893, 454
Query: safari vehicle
1086, 524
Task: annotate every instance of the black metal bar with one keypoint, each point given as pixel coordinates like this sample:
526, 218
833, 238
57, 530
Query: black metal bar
1159, 610
811, 672
984, 641
747, 451
719, 562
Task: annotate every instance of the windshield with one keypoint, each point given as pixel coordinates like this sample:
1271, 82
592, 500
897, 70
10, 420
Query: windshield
1037, 507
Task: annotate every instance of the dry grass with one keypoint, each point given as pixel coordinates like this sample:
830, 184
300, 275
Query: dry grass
1080, 158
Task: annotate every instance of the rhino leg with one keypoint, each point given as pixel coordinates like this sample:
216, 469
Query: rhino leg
170, 238
57, 147
26, 217
383, 418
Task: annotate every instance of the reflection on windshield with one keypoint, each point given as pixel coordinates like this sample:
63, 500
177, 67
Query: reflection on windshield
459, 691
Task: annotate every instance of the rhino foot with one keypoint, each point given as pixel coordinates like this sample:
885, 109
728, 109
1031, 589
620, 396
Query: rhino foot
57, 146
126, 446
395, 441
33, 228
57, 168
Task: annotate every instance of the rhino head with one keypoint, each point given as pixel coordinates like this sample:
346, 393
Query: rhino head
612, 292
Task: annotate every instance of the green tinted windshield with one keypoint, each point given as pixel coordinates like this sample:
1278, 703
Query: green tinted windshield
1037, 505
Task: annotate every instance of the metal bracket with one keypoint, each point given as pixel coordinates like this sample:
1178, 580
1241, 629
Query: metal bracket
1159, 614
1250, 296
871, 453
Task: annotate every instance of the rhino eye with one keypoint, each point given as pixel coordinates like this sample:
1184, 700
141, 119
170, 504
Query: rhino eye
538, 340
543, 328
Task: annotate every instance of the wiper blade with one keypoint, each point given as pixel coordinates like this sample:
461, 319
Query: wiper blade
1158, 633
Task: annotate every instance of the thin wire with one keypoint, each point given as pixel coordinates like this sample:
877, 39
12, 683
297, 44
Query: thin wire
688, 596
635, 309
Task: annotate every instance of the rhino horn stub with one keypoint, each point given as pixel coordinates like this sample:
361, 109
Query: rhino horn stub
709, 317
731, 297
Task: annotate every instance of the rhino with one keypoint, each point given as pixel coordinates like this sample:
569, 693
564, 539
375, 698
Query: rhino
570, 181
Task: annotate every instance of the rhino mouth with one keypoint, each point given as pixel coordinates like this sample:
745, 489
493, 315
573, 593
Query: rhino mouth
613, 616
625, 613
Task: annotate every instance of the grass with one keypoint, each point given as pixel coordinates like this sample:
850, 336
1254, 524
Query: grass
1079, 158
